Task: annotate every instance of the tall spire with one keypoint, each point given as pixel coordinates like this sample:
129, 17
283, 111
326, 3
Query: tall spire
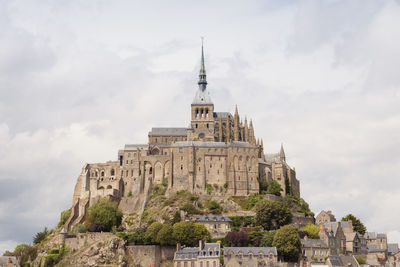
202, 75
282, 153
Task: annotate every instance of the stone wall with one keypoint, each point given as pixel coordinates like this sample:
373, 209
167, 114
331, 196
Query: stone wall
85, 239
150, 255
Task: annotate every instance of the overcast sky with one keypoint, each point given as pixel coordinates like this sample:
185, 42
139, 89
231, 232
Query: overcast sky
79, 79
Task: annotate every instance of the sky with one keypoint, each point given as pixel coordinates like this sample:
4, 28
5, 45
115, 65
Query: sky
79, 79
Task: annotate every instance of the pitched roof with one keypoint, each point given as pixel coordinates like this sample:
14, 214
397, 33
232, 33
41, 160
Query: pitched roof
313, 243
393, 248
253, 250
350, 236
209, 250
343, 261
170, 131
213, 219
222, 115
373, 248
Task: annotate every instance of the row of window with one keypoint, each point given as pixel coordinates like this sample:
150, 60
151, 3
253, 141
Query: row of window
207, 264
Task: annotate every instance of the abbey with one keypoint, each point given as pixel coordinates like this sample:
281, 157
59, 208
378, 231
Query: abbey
218, 150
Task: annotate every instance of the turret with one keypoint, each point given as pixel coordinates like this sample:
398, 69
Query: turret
236, 125
282, 154
246, 131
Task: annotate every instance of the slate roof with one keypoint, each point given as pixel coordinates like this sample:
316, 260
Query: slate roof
350, 236
213, 219
255, 250
393, 248
343, 261
170, 131
202, 97
373, 248
222, 115
313, 243
210, 250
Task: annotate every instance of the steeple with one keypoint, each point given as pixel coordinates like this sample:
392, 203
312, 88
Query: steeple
202, 75
282, 153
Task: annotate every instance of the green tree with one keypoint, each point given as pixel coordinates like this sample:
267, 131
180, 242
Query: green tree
164, 236
256, 236
106, 213
357, 224
288, 244
177, 217
137, 236
40, 236
312, 230
268, 238
271, 215
189, 233
274, 188
64, 217
23, 252
252, 200
152, 232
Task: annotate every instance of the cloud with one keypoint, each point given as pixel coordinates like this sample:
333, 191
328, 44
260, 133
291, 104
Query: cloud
80, 79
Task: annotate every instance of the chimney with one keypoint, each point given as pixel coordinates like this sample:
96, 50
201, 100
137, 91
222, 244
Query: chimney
322, 228
178, 246
329, 212
201, 244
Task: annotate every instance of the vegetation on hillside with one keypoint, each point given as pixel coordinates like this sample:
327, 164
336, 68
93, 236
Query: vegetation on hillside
103, 215
272, 214
311, 230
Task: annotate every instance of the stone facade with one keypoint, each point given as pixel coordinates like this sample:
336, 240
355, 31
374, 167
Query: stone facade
218, 226
325, 217
314, 249
218, 149
250, 256
205, 255
332, 234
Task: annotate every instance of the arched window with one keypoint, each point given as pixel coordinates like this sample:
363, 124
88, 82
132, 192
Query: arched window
102, 173
109, 187
112, 172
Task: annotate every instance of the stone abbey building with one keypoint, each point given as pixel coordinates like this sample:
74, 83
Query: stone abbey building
218, 149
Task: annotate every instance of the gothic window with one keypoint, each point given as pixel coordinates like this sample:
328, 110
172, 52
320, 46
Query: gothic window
112, 172
102, 173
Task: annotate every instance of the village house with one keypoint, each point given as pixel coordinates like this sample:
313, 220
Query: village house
393, 249
355, 243
218, 226
250, 256
379, 240
376, 254
205, 255
324, 217
314, 249
332, 234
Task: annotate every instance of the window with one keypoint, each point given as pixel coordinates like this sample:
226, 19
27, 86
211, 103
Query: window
131, 161
181, 167
179, 264
127, 161
197, 125
102, 173
207, 126
132, 173
127, 173
112, 172
180, 149
181, 158
216, 150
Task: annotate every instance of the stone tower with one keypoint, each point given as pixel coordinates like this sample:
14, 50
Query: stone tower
202, 121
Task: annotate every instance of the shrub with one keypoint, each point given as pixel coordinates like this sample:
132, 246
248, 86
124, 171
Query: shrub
274, 188
165, 237
54, 256
271, 215
64, 217
252, 200
40, 236
209, 188
165, 182
177, 217
129, 193
237, 239
287, 242
104, 213
214, 207
190, 209
312, 230
189, 233
268, 238
79, 228
152, 232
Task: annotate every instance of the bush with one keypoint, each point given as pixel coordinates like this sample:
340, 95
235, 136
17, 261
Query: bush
104, 213
252, 200
255, 236
177, 217
189, 233
274, 188
268, 238
312, 230
271, 215
361, 260
209, 188
152, 232
237, 239
190, 209
240, 221
54, 256
214, 207
129, 193
137, 236
64, 217
165, 237
40, 236
165, 182
79, 228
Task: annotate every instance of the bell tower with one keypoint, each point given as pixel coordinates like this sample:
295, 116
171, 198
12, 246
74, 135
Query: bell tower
202, 108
